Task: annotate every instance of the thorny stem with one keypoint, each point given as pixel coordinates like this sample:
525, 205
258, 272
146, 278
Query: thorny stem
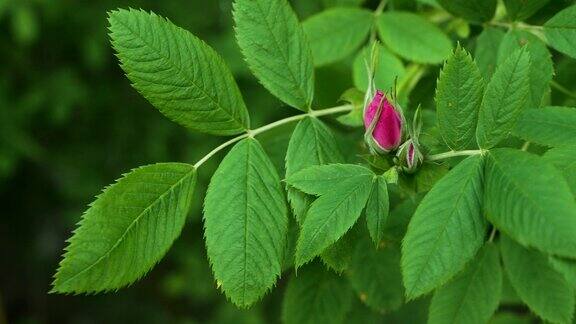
445, 155
265, 128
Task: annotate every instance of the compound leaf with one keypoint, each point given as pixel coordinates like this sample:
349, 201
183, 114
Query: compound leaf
127, 229
178, 73
276, 49
446, 230
245, 223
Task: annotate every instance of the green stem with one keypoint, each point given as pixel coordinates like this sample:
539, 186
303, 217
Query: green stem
445, 155
265, 128
492, 235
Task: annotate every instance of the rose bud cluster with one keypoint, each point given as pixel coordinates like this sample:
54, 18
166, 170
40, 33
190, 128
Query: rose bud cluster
385, 128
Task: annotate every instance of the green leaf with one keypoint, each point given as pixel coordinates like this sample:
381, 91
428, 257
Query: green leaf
127, 229
414, 37
375, 276
322, 179
472, 10
178, 73
541, 65
551, 126
245, 223
312, 143
446, 231
541, 287
275, 47
377, 209
566, 267
458, 97
564, 159
473, 296
504, 99
529, 200
348, 3
486, 52
389, 68
316, 295
522, 9
560, 31
336, 33
334, 213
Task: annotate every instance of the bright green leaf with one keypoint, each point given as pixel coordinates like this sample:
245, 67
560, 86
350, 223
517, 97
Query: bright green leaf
505, 97
333, 214
529, 200
276, 49
541, 65
446, 231
473, 296
377, 209
564, 159
560, 31
312, 143
178, 73
246, 223
522, 9
551, 126
472, 10
389, 69
128, 229
541, 287
375, 276
486, 52
322, 179
336, 33
413, 37
316, 295
458, 97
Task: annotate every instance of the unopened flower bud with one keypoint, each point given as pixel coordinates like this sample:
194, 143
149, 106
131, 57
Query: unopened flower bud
383, 124
409, 156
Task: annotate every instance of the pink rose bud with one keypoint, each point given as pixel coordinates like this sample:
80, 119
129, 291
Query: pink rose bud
410, 156
383, 124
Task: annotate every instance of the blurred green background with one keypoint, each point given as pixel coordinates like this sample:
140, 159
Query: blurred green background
70, 123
